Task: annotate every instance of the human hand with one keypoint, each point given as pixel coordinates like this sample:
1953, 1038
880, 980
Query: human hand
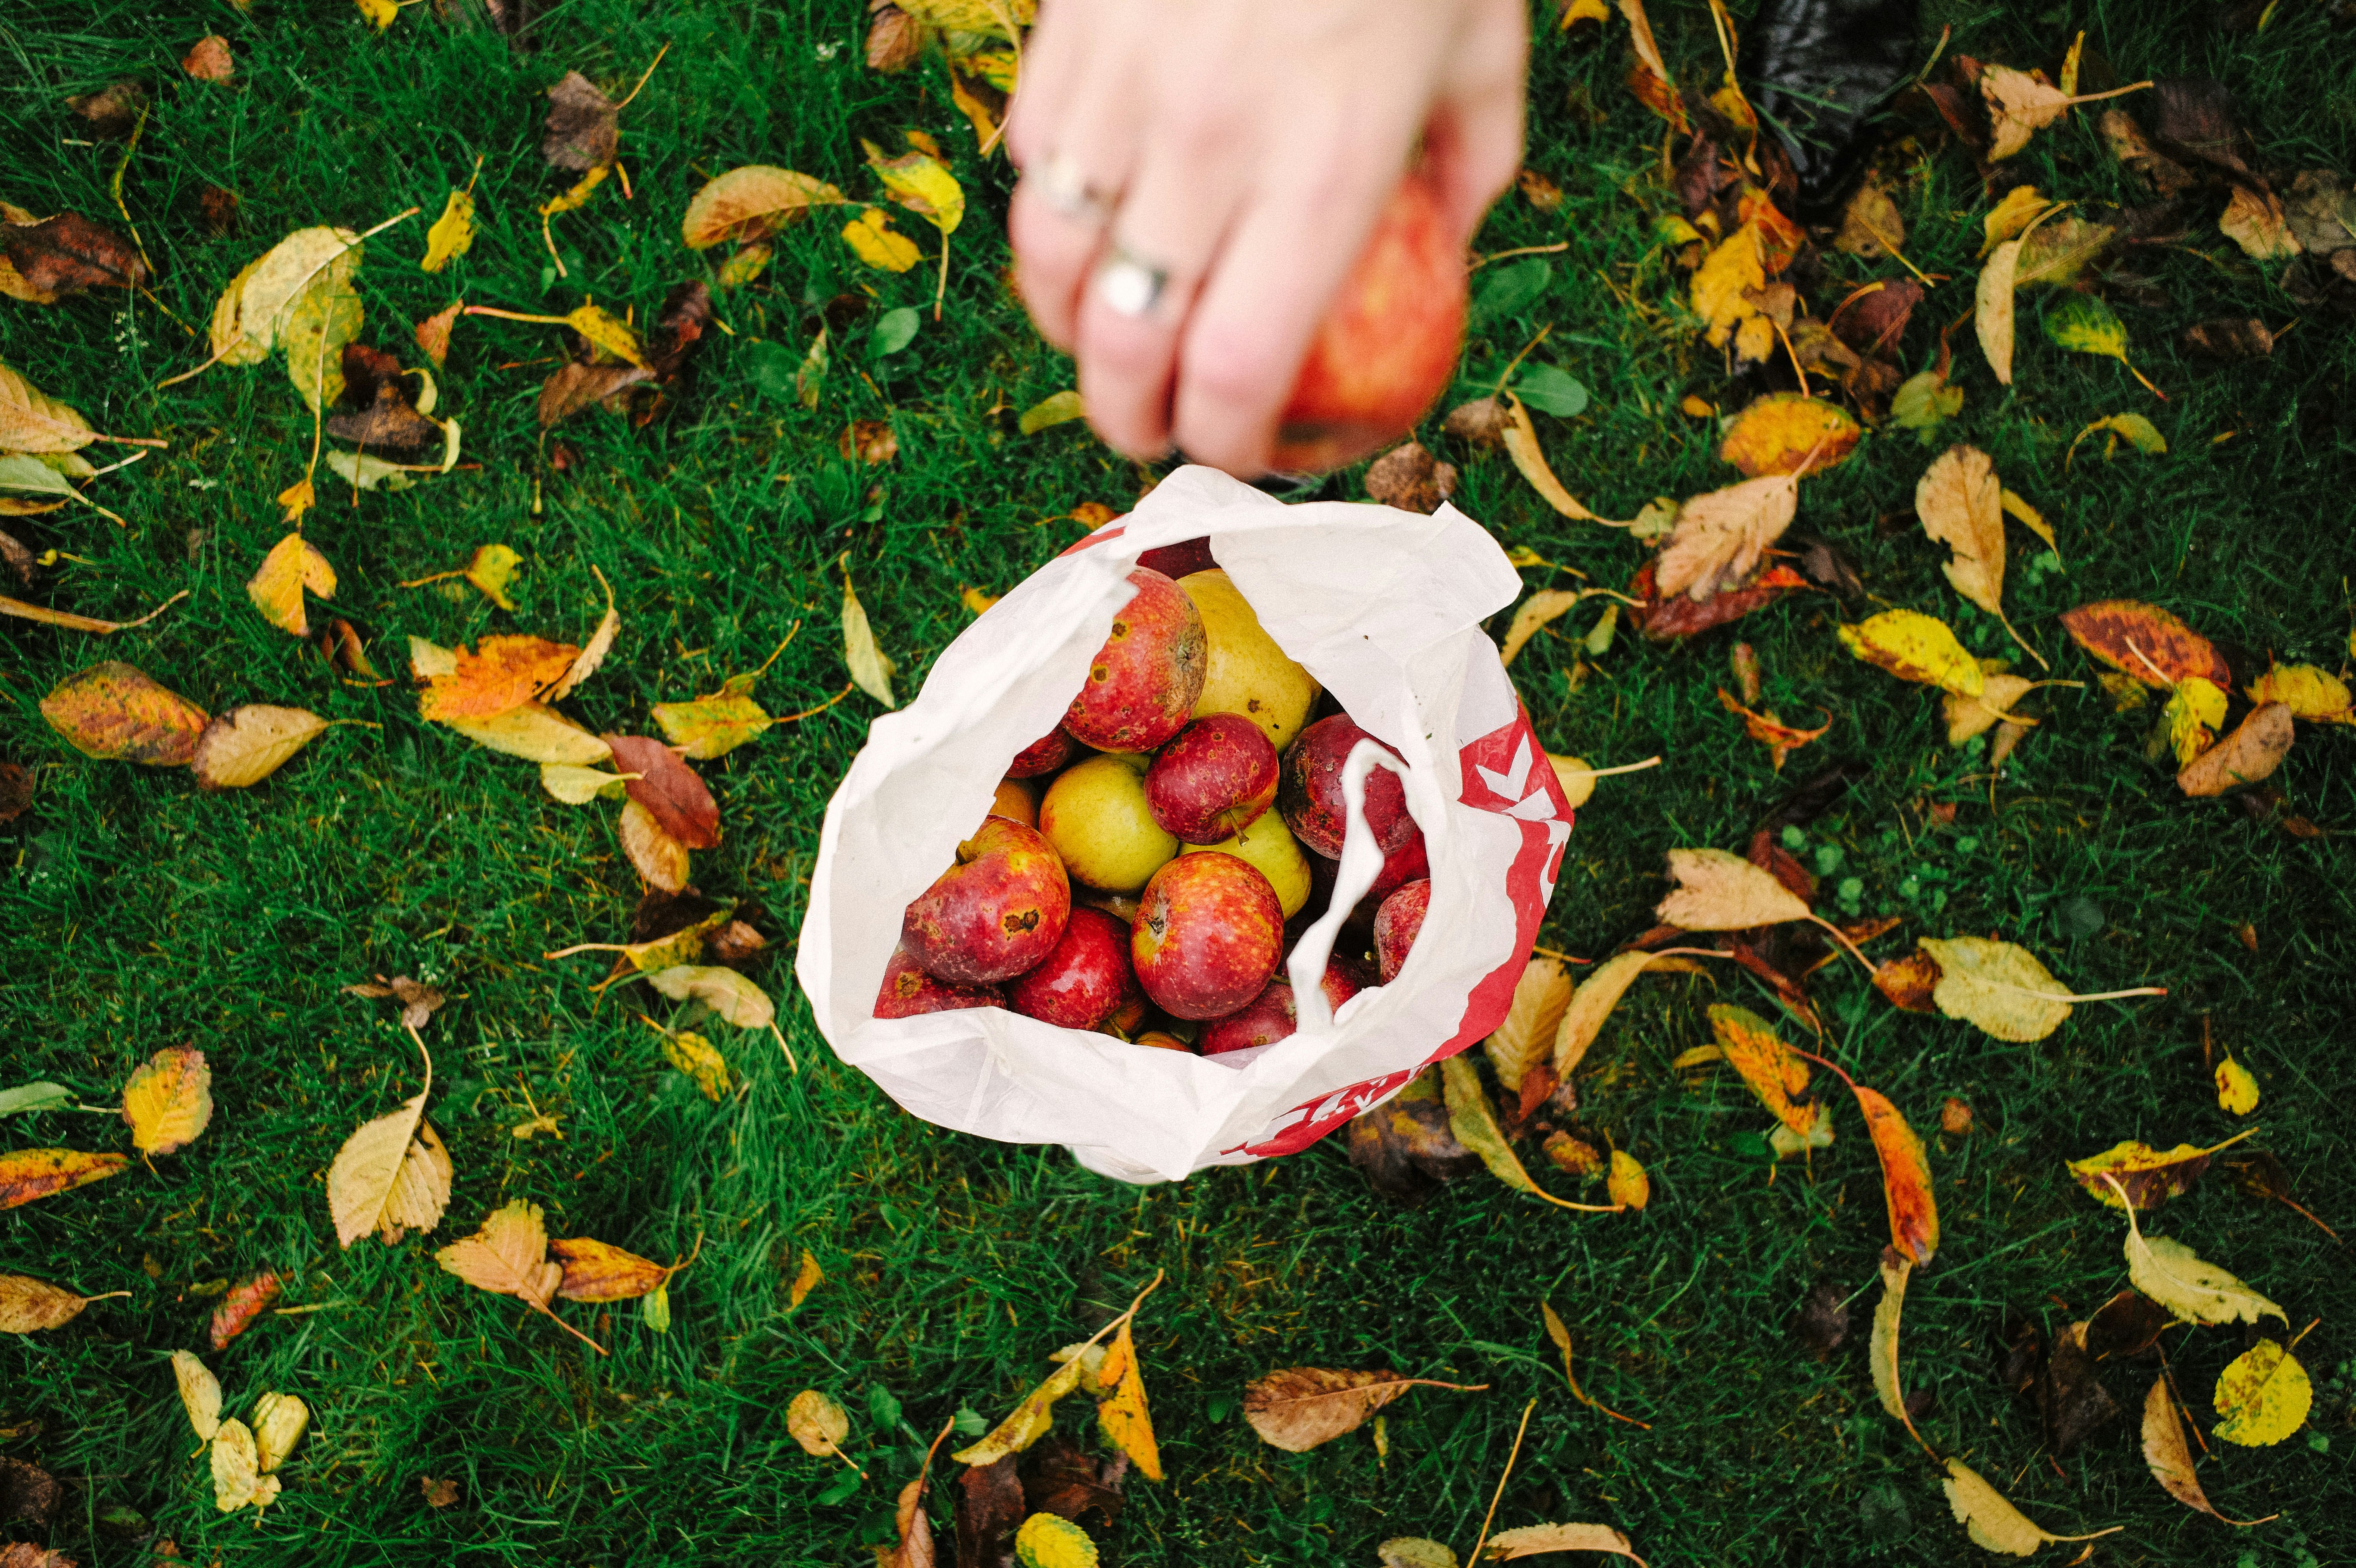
1244, 148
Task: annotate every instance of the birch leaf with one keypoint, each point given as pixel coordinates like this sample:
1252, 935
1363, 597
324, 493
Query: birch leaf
2309, 692
920, 183
1537, 611
1917, 647
2237, 1089
168, 1101
292, 565
712, 726
2263, 1396
577, 785
1527, 1033
871, 667
1628, 1185
700, 1060
200, 1393
279, 1420
873, 239
1716, 890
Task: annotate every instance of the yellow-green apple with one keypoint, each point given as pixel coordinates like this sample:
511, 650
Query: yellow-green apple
1080, 983
1144, 682
1248, 674
1209, 933
1095, 816
1213, 781
1267, 843
1044, 755
907, 990
999, 911
1388, 343
1396, 925
1310, 794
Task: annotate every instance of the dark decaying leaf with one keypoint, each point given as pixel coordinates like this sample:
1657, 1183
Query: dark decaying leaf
1665, 620
988, 1511
1409, 477
1822, 1322
1908, 982
113, 113
68, 253
1825, 564
583, 133
671, 791
379, 409
576, 385
2071, 1399
28, 1494
2020, 1353
17, 557
661, 914
1812, 797
1405, 1147
1872, 322
2192, 116
1058, 1478
16, 790
242, 1305
417, 1000
219, 207
2230, 337
679, 326
2126, 1326
735, 944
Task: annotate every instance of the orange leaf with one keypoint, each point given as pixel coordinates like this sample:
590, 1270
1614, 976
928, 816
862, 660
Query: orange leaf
1779, 1078
502, 672
29, 1173
2164, 650
1778, 737
115, 713
1905, 1177
242, 1305
1776, 433
599, 1270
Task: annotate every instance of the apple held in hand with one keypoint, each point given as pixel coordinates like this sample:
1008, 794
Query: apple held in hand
1082, 982
1144, 682
1096, 816
999, 911
1209, 933
907, 991
1248, 674
1214, 781
1389, 344
1396, 925
1310, 792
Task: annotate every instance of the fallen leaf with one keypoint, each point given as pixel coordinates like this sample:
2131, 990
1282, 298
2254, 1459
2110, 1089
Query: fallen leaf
1046, 1541
1871, 226
1970, 716
114, 712
2309, 692
1882, 1351
438, 1494
245, 745
2167, 178
237, 1468
239, 1309
1822, 1322
2170, 1457
868, 442
1405, 1147
1538, 610
2194, 709
1474, 1124
1960, 506
1056, 408
381, 412
677, 798
2146, 642
752, 204
508, 1256
1297, 1408
292, 565
1649, 77
2253, 750
988, 1509
1720, 538
870, 668
279, 1422
491, 569
1781, 432
1029, 1422
1917, 647
1414, 1552
1120, 1405
1410, 478
599, 1270
40, 1096
1628, 1186
29, 1306
727, 993
1992, 308
578, 785
2020, 105
208, 59
1527, 1034
113, 111
500, 673
700, 1060
576, 385
2237, 1090
1535, 1540
169, 1099
1716, 890
1999, 986
873, 239
2141, 1175
583, 132
2255, 221
1521, 440
29, 1173
811, 1277
1992, 1522
2084, 324
2195, 1292
922, 184
657, 857
1905, 1177
2263, 1396
2139, 433
393, 1175
451, 237
2021, 207
432, 334
68, 254
1767, 1065
1723, 286
1779, 737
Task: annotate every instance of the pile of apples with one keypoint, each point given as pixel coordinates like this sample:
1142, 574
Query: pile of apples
1188, 830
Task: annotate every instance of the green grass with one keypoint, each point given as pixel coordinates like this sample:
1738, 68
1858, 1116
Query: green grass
140, 914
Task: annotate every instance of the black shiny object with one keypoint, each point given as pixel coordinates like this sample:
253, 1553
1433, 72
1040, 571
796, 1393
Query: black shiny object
1817, 72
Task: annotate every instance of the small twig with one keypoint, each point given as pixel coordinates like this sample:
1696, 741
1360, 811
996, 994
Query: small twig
115, 186
666, 50
1559, 957
823, 707
1524, 250
1498, 1496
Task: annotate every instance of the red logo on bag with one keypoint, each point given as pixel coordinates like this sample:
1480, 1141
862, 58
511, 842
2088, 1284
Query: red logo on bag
1506, 772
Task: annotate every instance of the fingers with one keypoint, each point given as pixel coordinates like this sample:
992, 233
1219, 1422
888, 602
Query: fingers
1080, 125
1473, 145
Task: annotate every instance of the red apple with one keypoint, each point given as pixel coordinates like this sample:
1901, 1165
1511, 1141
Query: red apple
908, 990
1213, 781
1388, 343
1144, 682
1265, 1020
1396, 925
1310, 792
1129, 1012
1400, 867
1081, 982
1181, 559
1044, 755
1343, 979
999, 911
1209, 930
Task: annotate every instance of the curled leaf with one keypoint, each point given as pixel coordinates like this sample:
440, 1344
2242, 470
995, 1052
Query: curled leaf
2170, 1457
1300, 1407
1471, 1118
1905, 1177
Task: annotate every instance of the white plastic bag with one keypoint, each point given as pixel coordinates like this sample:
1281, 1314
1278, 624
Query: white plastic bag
1384, 608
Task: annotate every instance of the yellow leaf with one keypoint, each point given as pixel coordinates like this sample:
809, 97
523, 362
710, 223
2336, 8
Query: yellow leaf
1474, 1124
250, 318
1028, 1424
2194, 1292
1591, 1004
877, 243
452, 234
975, 599
1537, 611
1993, 1522
1521, 440
577, 785
491, 569
1998, 986
1527, 1033
1577, 779
2258, 225
114, 712
653, 852
811, 1277
1628, 1185
576, 195
508, 1256
1962, 506
33, 422
200, 1393
699, 1059
1057, 407
712, 726
2032, 520
1724, 279
600, 1271
593, 653
381, 12
871, 667
1992, 308
2238, 1091
817, 1422
2018, 107
1534, 1540
393, 1175
246, 746
1716, 890
1883, 1352
236, 1466
536, 733
918, 181
752, 203
2263, 1396
292, 565
1120, 1405
1049, 1541
1784, 432
301, 496
324, 315
1767, 1066
2309, 692
1917, 647
2133, 1171
607, 330
2021, 207
2194, 710
743, 267
974, 16
170, 1100
279, 1420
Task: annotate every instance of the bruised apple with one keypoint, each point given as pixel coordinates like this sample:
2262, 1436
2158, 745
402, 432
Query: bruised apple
1209, 933
1248, 674
1097, 817
1267, 845
1144, 682
1081, 982
1396, 925
908, 991
1387, 344
1310, 792
1044, 755
999, 911
1212, 782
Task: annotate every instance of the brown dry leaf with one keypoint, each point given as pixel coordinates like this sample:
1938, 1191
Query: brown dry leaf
508, 1256
2141, 1175
583, 133
499, 674
1992, 308
245, 745
168, 1101
292, 565
1297, 1408
672, 791
29, 1306
114, 712
599, 1270
1474, 1124
752, 204
1970, 716
1716, 890
381, 412
29, 1173
393, 1175
2148, 643
2020, 105
1871, 225
2170, 1457
1410, 478
1478, 422
1991, 1521
2255, 221
2167, 178
1780, 739
239, 1309
659, 859
2253, 752
65, 255
432, 334
871, 442
576, 385
417, 1001
1785, 433
1720, 536
438, 1494
1961, 507
1905, 1177
209, 60
1527, 1035
1536, 1540
1538, 610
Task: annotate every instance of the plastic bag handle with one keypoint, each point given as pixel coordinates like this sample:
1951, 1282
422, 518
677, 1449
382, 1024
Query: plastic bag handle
1362, 863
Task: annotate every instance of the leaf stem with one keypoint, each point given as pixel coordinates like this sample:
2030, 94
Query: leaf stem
1652, 762
1516, 362
1498, 1496
1841, 937
659, 59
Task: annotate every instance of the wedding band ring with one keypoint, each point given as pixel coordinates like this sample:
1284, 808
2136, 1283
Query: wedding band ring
1129, 285
1066, 188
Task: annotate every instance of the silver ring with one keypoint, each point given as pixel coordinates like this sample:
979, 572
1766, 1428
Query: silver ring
1066, 188
1129, 285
